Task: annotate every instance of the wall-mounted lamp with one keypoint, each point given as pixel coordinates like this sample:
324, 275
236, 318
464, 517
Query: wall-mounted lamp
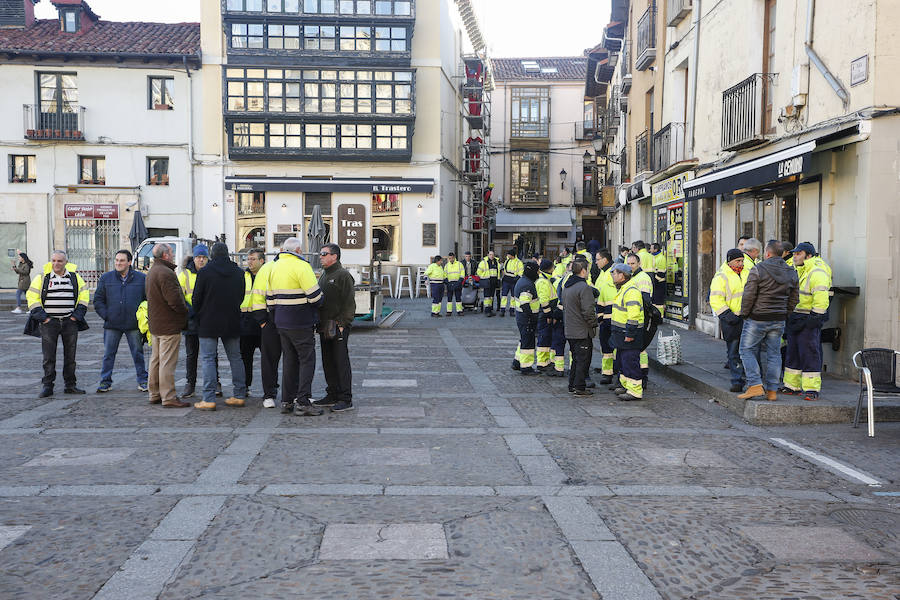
283, 205
562, 179
420, 205
215, 205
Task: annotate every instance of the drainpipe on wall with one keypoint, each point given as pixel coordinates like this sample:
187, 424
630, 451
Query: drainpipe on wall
191, 141
692, 86
836, 85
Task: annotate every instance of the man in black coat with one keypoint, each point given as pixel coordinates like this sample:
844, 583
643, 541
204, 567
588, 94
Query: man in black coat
217, 299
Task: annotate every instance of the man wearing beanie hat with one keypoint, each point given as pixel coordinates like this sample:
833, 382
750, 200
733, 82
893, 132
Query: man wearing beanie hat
546, 292
526, 318
187, 279
725, 292
628, 332
803, 357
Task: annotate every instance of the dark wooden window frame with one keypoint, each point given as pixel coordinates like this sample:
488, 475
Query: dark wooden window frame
29, 162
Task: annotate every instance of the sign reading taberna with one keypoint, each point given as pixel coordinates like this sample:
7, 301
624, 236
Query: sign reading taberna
310, 184
792, 162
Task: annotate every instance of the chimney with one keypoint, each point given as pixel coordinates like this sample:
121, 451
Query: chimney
17, 14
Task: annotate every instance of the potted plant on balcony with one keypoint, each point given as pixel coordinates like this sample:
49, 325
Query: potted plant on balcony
45, 133
29, 133
77, 135
57, 132
162, 107
67, 133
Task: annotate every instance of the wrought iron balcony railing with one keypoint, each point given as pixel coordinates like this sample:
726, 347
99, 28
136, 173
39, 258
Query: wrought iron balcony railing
56, 122
642, 152
742, 112
668, 146
646, 38
677, 10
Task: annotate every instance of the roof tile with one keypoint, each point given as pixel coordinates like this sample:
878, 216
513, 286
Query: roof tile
567, 68
105, 37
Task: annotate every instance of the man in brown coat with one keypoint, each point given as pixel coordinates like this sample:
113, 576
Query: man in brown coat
167, 314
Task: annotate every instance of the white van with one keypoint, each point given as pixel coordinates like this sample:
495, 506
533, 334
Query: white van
143, 256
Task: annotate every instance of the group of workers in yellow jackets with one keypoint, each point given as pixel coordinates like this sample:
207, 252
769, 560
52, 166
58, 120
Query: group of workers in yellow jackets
801, 345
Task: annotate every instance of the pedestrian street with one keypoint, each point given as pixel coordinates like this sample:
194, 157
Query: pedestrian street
454, 476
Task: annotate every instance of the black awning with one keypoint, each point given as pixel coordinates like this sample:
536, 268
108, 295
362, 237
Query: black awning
637, 191
759, 171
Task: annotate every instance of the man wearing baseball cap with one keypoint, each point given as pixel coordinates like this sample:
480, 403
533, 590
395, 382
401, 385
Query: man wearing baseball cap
803, 359
628, 332
725, 292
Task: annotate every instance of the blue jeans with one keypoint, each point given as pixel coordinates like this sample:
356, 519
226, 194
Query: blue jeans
111, 339
762, 339
208, 348
19, 295
734, 362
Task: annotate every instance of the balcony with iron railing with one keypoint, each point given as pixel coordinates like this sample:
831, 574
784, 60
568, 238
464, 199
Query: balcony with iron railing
677, 10
668, 146
646, 38
626, 66
642, 152
585, 131
743, 112
529, 199
63, 122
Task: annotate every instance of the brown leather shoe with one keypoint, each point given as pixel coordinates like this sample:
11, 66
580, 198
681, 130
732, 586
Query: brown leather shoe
754, 391
771, 395
235, 401
176, 404
205, 405
156, 401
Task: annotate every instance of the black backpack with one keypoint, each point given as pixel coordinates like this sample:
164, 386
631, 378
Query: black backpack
652, 320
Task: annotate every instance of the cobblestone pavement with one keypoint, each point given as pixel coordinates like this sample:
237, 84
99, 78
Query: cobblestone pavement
453, 477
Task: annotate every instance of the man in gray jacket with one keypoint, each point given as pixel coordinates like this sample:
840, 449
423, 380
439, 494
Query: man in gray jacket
580, 320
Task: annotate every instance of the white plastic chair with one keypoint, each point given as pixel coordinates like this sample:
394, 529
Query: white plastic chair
403, 274
390, 285
421, 280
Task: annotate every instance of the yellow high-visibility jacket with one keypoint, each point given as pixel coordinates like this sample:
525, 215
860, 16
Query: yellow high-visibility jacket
435, 273
659, 266
144, 322
486, 270
814, 286
726, 291
35, 302
546, 292
608, 292
646, 260
513, 268
292, 293
454, 271
628, 317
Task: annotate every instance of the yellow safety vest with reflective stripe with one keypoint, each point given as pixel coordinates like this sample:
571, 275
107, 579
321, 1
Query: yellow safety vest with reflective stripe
513, 268
143, 321
643, 282
435, 273
559, 269
292, 293
814, 286
659, 266
608, 291
260, 285
485, 271
532, 301
726, 291
646, 260
749, 263
188, 281
628, 306
33, 295
247, 304
827, 268
546, 291
454, 271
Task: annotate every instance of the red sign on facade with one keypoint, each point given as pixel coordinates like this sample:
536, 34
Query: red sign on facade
92, 211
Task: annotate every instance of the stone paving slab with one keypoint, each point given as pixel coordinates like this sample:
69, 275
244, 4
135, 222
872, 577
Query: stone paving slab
73, 545
455, 460
496, 548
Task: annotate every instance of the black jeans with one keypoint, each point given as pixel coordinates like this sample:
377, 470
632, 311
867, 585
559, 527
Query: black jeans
191, 353
270, 351
336, 364
249, 344
582, 352
299, 348
51, 331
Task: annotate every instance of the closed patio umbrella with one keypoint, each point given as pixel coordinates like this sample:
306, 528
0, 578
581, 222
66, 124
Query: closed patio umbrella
138, 231
316, 236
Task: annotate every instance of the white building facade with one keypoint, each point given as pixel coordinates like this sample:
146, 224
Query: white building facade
98, 127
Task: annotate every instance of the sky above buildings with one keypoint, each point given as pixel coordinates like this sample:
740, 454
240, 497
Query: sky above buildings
512, 27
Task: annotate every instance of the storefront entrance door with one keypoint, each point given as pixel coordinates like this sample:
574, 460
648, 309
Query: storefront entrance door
12, 238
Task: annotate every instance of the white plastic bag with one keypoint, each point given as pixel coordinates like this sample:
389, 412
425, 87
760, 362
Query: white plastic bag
668, 349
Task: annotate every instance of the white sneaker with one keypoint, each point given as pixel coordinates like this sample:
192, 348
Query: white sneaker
17, 310
269, 403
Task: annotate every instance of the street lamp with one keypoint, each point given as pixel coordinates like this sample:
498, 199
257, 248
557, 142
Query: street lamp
562, 179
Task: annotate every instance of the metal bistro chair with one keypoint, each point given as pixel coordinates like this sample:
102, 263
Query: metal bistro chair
878, 377
422, 281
